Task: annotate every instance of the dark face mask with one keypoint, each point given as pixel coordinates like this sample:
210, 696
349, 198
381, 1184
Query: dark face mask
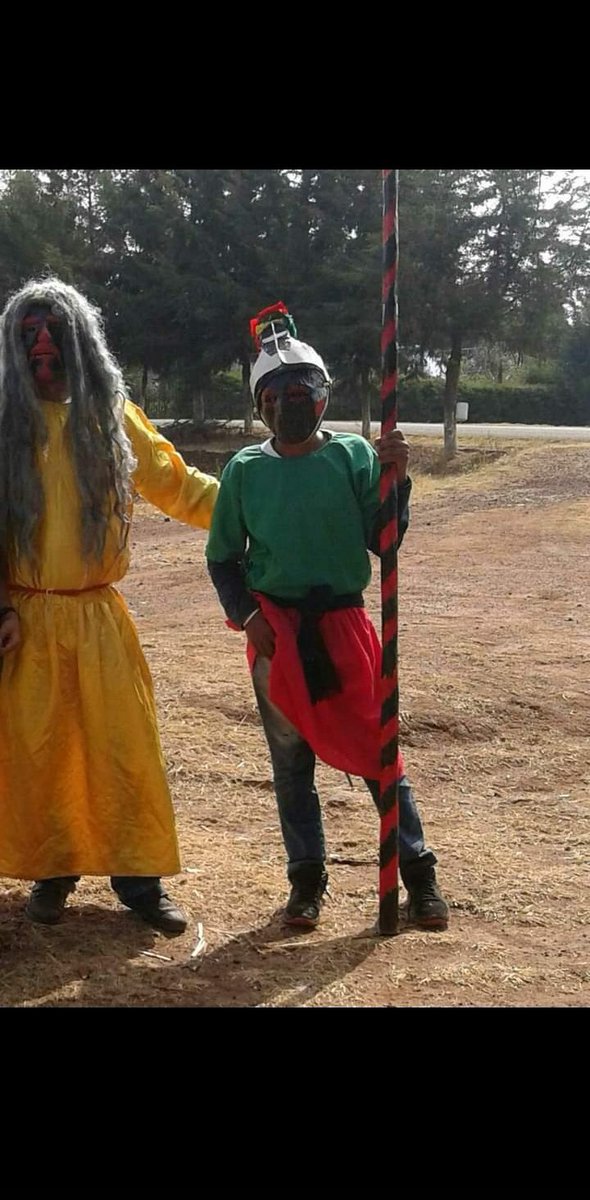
294, 414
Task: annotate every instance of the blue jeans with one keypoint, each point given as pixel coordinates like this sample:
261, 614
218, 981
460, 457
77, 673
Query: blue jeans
129, 888
293, 764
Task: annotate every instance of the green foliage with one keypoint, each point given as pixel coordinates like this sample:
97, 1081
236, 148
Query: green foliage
574, 367
535, 404
180, 260
540, 372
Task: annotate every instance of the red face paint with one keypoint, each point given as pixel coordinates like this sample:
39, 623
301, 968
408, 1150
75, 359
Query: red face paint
42, 334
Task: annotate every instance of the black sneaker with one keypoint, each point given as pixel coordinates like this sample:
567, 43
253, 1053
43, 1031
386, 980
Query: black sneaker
159, 911
47, 900
308, 884
427, 907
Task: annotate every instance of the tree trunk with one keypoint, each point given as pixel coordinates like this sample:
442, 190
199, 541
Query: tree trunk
500, 371
143, 391
199, 407
247, 399
450, 397
365, 404
90, 210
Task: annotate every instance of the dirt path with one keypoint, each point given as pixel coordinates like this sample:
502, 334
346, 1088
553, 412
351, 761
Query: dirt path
495, 647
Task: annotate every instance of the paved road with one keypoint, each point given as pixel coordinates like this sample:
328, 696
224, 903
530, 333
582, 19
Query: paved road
550, 433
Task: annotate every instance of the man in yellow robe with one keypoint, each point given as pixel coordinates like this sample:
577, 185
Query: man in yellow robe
83, 788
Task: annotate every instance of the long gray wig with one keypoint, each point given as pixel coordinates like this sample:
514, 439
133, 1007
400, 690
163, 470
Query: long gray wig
101, 450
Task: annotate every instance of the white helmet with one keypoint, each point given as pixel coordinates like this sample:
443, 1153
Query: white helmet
279, 349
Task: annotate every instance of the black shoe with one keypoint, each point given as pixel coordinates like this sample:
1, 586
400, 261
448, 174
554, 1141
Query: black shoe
427, 907
159, 911
48, 900
308, 884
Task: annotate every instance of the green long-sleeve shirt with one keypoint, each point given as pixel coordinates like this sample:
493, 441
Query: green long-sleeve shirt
296, 523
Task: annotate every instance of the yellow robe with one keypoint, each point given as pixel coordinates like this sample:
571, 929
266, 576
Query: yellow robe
83, 787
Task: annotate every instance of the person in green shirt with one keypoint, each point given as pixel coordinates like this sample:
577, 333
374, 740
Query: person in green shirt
288, 556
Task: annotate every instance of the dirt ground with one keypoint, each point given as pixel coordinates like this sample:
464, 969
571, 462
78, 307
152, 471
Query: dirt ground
495, 698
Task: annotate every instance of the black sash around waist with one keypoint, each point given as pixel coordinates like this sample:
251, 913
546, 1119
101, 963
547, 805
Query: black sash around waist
321, 676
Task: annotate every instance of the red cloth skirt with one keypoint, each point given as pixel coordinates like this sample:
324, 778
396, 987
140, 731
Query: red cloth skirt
344, 729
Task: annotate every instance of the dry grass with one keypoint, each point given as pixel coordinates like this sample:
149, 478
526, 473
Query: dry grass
496, 728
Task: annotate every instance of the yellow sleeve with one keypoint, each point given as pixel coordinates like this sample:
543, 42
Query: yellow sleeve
163, 477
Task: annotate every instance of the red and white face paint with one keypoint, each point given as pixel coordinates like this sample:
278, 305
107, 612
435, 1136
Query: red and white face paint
42, 333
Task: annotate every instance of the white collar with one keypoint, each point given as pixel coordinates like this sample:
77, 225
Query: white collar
268, 448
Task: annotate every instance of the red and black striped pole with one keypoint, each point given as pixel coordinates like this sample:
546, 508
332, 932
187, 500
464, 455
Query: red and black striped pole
389, 780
